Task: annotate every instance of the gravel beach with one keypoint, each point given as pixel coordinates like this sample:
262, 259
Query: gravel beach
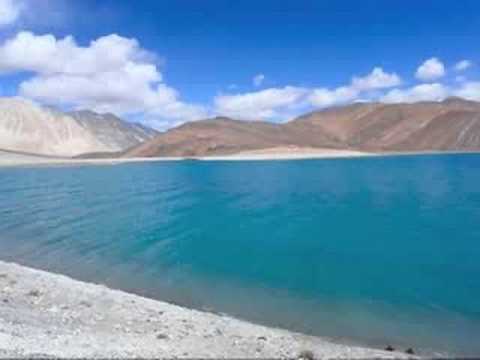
44, 314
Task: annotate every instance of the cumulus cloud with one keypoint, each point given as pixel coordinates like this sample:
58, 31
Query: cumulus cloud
111, 74
469, 91
261, 105
377, 79
258, 80
324, 97
432, 69
423, 92
282, 103
9, 11
462, 65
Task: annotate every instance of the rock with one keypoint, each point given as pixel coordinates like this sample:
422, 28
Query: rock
5, 301
262, 338
306, 355
34, 293
389, 348
85, 303
410, 351
162, 336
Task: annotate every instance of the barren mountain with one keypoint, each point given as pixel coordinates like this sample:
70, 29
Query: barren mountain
394, 127
28, 128
111, 131
221, 136
453, 124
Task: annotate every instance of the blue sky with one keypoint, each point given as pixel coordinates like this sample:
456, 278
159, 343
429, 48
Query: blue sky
206, 54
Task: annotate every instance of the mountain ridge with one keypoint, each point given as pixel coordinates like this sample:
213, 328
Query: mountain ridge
449, 125
26, 127
371, 127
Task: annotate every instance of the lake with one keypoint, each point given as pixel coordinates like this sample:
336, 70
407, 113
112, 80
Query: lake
371, 251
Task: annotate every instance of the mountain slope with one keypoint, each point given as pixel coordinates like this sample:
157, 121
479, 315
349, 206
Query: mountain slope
219, 136
28, 128
427, 126
111, 131
395, 127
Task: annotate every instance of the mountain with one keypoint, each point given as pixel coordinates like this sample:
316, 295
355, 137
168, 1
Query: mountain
425, 126
29, 128
111, 131
453, 124
221, 136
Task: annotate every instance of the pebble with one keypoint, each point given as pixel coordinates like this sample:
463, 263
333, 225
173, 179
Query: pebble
69, 322
85, 303
34, 293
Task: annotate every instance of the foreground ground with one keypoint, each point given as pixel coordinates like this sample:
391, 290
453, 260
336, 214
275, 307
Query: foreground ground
43, 314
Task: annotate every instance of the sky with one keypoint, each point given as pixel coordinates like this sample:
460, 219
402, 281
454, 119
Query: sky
163, 62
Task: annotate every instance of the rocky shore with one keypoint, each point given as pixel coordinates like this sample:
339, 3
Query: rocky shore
44, 314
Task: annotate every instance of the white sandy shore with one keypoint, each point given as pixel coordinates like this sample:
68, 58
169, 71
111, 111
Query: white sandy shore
290, 153
44, 314
16, 159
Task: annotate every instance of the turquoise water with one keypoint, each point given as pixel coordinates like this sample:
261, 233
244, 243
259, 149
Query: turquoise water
372, 251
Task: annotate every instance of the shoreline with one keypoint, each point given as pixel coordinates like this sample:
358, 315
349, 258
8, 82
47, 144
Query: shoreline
11, 159
46, 314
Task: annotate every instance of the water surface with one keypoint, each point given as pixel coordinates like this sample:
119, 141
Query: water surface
372, 251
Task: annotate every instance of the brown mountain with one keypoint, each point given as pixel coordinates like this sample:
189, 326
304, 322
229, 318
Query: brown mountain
453, 124
223, 136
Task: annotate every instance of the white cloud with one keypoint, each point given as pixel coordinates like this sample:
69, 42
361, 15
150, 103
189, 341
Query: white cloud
377, 79
430, 70
324, 97
423, 92
9, 11
266, 104
258, 80
111, 74
283, 103
463, 65
469, 91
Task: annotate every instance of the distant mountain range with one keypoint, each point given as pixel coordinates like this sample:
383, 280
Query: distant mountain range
451, 125
28, 128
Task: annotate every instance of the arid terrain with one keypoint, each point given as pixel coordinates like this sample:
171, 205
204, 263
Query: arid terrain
26, 127
451, 125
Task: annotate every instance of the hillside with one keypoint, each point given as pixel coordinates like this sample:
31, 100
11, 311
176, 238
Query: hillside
111, 131
28, 128
449, 125
221, 136
453, 124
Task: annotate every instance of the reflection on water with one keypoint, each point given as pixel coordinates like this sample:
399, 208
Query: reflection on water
374, 250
